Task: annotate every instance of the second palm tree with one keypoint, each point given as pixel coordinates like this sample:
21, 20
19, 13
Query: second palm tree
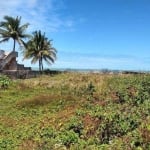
39, 48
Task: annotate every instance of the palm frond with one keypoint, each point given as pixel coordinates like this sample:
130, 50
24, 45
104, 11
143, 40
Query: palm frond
12, 28
39, 48
4, 40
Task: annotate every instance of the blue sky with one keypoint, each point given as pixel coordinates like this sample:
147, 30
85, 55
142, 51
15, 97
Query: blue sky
90, 34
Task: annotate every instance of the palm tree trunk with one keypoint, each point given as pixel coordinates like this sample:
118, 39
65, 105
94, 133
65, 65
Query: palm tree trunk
14, 45
40, 65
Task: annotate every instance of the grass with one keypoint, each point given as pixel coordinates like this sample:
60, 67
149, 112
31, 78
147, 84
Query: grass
76, 111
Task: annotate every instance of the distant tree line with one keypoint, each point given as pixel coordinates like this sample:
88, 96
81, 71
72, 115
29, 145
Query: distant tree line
38, 47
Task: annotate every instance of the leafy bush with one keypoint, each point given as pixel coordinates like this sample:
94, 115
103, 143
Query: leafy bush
6, 144
47, 133
87, 91
4, 81
75, 124
77, 111
68, 138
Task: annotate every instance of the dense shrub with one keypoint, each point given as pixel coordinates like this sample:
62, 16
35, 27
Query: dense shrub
4, 82
76, 111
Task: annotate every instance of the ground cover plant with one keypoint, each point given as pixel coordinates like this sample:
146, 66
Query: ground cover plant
76, 111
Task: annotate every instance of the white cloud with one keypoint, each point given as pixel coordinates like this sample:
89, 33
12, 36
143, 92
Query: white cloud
31, 3
44, 15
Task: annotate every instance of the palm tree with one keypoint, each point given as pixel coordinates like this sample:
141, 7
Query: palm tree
40, 49
10, 28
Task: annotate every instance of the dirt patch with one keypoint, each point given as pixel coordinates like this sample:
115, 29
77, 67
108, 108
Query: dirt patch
28, 145
91, 124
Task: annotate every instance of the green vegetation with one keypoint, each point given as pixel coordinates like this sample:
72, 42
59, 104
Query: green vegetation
10, 28
76, 111
4, 82
39, 48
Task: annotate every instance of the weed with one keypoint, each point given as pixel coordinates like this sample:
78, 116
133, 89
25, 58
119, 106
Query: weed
4, 82
76, 111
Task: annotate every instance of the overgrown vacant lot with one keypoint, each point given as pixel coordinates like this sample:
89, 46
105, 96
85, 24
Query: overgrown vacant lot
77, 112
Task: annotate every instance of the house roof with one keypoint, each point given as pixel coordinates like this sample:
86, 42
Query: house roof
4, 54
